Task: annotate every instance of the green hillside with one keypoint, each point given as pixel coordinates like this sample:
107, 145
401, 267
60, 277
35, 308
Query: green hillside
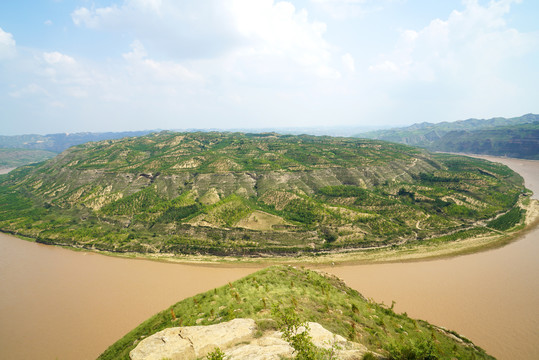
251, 194
313, 297
11, 158
514, 137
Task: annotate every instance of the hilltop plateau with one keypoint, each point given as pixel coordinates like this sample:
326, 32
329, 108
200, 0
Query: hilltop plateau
254, 195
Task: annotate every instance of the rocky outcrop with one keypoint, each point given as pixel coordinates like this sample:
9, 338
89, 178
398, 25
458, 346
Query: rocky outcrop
239, 340
192, 342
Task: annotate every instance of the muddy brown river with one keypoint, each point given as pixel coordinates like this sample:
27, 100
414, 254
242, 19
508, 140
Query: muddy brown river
61, 304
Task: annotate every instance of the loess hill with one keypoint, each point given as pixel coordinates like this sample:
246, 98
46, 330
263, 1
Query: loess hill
252, 194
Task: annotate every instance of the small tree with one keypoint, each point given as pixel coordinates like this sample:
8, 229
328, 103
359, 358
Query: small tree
328, 234
295, 332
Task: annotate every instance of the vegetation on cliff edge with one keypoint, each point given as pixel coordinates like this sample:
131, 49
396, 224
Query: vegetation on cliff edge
312, 297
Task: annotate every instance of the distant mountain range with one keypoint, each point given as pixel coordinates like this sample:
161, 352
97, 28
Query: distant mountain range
12, 158
18, 150
513, 137
60, 142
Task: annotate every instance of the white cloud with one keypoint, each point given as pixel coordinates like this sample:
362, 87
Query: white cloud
179, 29
152, 70
386, 66
58, 58
47, 22
270, 63
473, 41
348, 62
138, 52
344, 9
278, 29
273, 32
76, 92
464, 64
65, 70
31, 89
95, 18
153, 5
7, 45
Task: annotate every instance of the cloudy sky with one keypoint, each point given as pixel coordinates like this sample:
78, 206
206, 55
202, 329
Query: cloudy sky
114, 65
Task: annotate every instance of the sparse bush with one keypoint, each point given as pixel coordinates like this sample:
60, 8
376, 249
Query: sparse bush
301, 211
507, 220
216, 354
328, 234
343, 191
421, 349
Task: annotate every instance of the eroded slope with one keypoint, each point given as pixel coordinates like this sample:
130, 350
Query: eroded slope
224, 193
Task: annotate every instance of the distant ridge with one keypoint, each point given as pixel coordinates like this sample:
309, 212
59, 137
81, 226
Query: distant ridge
513, 137
62, 141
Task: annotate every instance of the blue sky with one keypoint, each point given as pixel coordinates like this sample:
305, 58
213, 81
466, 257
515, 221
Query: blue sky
71, 66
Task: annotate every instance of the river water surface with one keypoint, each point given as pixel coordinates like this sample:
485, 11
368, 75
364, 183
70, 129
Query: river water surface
61, 304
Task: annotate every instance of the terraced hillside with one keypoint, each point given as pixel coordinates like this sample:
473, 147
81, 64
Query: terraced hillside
304, 295
251, 194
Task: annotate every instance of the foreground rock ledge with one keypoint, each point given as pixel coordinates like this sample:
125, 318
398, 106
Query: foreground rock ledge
237, 340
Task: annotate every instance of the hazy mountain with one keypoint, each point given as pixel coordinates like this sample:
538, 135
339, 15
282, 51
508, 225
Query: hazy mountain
59, 142
519, 141
11, 158
514, 137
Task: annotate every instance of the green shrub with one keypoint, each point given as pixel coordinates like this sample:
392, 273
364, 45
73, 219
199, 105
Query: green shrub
459, 211
301, 211
289, 324
329, 234
507, 220
174, 213
343, 191
216, 354
421, 349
